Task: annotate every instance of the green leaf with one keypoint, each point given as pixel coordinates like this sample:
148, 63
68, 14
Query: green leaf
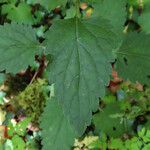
143, 19
20, 14
57, 132
133, 144
133, 61
146, 147
104, 122
81, 69
18, 46
50, 4
18, 143
114, 11
21, 127
133, 2
70, 13
145, 22
116, 144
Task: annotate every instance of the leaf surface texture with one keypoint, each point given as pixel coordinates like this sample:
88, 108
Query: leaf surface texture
133, 61
56, 130
81, 69
18, 45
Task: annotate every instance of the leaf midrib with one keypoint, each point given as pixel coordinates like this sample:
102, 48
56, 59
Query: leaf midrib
78, 53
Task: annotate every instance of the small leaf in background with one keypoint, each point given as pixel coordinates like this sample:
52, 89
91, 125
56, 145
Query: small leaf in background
145, 135
21, 13
18, 143
116, 144
18, 128
32, 145
100, 143
133, 2
95, 145
114, 11
143, 18
102, 121
17, 40
85, 143
110, 98
70, 13
21, 127
134, 52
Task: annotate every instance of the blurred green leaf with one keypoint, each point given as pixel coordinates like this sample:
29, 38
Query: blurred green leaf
105, 123
21, 127
21, 13
18, 143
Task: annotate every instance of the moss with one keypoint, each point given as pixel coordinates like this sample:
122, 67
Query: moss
32, 99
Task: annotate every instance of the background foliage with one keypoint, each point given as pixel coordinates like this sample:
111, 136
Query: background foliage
59, 85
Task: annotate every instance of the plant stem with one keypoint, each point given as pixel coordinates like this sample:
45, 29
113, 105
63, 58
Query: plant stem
77, 8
